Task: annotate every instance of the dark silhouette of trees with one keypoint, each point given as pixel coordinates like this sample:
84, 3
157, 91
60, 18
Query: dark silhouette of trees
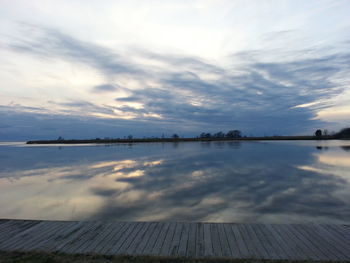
130, 137
234, 134
318, 133
344, 133
205, 135
219, 134
175, 136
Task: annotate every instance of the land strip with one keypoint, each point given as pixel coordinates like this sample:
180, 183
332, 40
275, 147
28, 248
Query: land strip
176, 140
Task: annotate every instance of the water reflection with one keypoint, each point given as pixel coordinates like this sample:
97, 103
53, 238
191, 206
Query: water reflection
212, 181
345, 148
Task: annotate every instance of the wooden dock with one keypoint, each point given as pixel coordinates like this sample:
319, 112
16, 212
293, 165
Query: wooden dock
194, 240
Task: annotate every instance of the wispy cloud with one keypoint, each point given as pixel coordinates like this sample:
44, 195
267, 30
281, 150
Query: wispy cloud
252, 94
104, 88
50, 43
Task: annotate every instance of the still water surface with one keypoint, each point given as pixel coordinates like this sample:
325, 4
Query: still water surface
267, 182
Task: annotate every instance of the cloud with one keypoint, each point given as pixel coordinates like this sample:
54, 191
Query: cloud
128, 99
266, 93
23, 125
50, 43
255, 93
104, 88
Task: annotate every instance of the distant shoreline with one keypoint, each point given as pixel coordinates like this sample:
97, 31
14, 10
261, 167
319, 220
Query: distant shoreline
272, 138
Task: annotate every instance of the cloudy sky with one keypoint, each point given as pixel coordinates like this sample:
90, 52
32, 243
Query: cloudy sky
85, 69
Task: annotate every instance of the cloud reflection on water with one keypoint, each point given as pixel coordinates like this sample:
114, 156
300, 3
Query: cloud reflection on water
223, 182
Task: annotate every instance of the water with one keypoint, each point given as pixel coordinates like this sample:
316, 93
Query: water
256, 182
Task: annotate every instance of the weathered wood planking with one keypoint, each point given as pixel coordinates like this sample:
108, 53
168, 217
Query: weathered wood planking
194, 240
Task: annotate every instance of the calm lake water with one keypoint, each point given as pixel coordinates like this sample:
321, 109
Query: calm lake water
268, 182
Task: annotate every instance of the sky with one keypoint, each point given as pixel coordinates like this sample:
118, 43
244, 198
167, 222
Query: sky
87, 69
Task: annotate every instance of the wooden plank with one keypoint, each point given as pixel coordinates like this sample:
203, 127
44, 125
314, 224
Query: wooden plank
290, 242
99, 238
232, 242
253, 252
62, 237
339, 236
316, 246
160, 240
13, 228
117, 237
176, 239
194, 240
3, 221
184, 240
35, 239
141, 235
75, 237
90, 231
165, 250
277, 239
69, 235
199, 240
208, 245
18, 238
318, 242
242, 246
264, 241
5, 229
130, 238
215, 240
258, 245
107, 242
122, 238
341, 247
191, 245
346, 229
54, 239
301, 243
17, 241
225, 247
5, 226
340, 230
153, 238
274, 247
90, 238
143, 244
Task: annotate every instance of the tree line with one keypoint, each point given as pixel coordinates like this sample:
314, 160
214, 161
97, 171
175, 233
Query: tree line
232, 134
220, 134
344, 133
